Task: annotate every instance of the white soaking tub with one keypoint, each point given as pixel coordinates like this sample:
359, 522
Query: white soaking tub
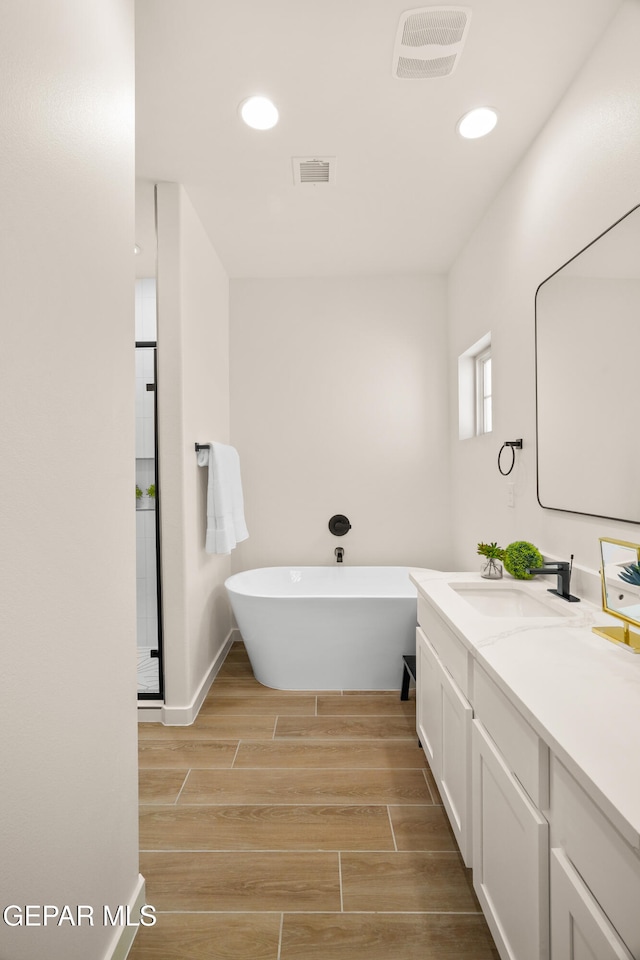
326, 628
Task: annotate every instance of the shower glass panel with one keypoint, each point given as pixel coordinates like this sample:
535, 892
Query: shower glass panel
148, 582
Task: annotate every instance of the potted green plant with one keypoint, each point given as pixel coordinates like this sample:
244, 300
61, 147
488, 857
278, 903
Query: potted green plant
151, 491
519, 557
491, 566
138, 497
630, 573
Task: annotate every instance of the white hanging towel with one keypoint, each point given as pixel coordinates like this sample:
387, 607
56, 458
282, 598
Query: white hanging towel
225, 505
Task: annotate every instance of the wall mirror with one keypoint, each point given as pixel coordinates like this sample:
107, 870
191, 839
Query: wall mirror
587, 337
620, 576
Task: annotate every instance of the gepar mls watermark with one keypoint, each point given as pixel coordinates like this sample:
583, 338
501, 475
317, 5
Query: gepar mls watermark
80, 915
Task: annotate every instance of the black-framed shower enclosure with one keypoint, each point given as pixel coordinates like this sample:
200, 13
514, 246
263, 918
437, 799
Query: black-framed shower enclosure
148, 566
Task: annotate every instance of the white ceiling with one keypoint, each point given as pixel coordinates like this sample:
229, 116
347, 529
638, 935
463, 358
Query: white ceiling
408, 190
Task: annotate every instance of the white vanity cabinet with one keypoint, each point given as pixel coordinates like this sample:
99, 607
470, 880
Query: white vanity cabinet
539, 777
444, 724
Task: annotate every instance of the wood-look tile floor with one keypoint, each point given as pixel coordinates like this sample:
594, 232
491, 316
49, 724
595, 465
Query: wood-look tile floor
299, 826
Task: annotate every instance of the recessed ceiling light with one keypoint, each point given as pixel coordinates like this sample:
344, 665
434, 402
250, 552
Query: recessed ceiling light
477, 123
259, 113
137, 248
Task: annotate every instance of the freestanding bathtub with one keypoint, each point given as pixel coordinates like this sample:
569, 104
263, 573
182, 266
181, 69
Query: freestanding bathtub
326, 628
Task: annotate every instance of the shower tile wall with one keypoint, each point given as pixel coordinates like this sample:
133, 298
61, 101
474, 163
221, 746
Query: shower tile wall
147, 607
144, 408
146, 309
147, 602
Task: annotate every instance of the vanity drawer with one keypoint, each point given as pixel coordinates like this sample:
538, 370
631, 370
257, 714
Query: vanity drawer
608, 866
453, 654
526, 755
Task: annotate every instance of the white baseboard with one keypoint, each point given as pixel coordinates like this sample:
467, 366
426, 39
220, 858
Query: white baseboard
186, 715
125, 935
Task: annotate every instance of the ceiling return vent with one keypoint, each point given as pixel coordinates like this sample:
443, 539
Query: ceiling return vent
313, 170
429, 42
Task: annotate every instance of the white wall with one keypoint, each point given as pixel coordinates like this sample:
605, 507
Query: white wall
68, 813
193, 406
339, 405
580, 175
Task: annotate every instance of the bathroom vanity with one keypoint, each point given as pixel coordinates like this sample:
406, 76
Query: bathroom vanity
531, 726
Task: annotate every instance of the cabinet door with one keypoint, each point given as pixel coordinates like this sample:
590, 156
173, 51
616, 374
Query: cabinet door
455, 763
579, 928
510, 855
428, 701
444, 727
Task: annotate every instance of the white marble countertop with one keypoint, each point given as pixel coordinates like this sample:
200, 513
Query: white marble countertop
579, 691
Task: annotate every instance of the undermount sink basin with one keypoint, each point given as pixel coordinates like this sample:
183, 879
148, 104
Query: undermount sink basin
502, 600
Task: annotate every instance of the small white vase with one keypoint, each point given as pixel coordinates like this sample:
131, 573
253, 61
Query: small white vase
491, 569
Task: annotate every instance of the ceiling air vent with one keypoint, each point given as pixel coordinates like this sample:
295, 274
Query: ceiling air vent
429, 42
313, 170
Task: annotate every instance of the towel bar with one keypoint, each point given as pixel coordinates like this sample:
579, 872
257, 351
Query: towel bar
203, 446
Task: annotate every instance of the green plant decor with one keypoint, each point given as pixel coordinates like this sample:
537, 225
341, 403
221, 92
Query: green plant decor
138, 492
491, 551
631, 573
151, 491
519, 556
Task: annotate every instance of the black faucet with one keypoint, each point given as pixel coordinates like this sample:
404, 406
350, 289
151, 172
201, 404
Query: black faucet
563, 570
339, 552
